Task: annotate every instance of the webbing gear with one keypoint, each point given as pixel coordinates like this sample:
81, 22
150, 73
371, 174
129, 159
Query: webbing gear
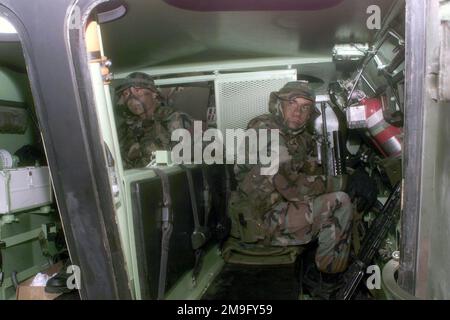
206, 196
167, 227
198, 237
245, 224
207, 207
197, 266
200, 234
236, 252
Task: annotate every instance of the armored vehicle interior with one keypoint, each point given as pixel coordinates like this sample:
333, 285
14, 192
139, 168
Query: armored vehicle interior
218, 61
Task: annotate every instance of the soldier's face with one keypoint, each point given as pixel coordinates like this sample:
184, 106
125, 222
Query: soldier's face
297, 112
139, 100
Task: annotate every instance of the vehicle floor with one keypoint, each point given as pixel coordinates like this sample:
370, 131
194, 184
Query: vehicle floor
244, 282
73, 295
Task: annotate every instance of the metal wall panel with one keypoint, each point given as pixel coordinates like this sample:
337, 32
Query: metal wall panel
243, 96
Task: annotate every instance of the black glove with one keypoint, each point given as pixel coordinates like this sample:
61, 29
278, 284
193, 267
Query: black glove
362, 188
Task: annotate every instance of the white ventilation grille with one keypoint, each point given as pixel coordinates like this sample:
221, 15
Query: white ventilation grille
242, 96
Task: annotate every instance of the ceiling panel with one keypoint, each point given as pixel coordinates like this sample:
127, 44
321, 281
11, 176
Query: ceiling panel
154, 33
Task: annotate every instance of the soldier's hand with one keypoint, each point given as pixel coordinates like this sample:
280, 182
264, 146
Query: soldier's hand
362, 189
134, 152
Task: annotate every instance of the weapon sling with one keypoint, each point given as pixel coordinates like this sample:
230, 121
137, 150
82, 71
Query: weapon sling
167, 227
198, 237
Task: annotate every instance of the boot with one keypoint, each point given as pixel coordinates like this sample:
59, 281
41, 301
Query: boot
321, 285
58, 283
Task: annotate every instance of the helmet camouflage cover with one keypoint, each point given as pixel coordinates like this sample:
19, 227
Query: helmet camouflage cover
135, 79
295, 89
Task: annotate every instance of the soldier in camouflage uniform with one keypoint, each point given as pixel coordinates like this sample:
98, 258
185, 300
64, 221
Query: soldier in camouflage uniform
297, 204
148, 125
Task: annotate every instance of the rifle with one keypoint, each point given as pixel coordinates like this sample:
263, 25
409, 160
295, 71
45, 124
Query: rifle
371, 244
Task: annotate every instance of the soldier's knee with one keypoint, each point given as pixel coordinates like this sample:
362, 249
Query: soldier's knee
343, 198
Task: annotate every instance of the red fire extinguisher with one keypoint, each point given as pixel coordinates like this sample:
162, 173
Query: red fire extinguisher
385, 136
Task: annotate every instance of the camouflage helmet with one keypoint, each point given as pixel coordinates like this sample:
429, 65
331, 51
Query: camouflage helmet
135, 79
291, 91
295, 89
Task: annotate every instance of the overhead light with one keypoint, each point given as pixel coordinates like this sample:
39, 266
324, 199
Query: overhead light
350, 52
111, 10
6, 26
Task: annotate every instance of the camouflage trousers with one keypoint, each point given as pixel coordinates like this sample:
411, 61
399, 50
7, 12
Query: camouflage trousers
327, 218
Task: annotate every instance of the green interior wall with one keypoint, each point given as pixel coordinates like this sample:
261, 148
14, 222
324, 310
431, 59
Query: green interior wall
25, 258
14, 87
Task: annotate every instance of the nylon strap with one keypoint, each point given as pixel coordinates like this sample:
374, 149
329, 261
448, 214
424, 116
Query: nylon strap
167, 228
